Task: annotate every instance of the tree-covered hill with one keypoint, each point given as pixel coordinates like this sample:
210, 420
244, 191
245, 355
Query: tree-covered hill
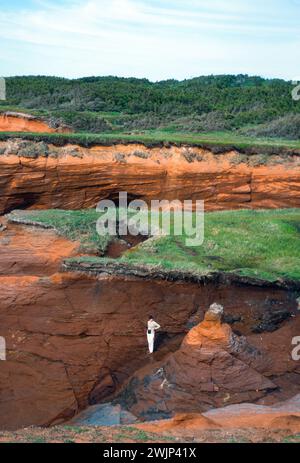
225, 102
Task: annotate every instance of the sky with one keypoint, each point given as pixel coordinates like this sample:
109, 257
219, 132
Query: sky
154, 39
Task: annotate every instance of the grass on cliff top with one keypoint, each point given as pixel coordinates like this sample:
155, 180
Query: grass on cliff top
263, 244
74, 225
210, 139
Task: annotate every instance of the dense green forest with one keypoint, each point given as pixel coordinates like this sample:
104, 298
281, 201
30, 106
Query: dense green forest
244, 104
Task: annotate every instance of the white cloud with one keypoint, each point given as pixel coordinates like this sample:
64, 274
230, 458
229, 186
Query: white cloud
156, 39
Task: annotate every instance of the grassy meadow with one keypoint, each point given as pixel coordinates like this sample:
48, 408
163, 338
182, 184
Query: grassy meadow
152, 137
263, 244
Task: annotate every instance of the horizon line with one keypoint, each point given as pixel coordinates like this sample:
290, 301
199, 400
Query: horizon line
149, 80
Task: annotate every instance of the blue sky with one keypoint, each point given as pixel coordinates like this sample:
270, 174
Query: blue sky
156, 39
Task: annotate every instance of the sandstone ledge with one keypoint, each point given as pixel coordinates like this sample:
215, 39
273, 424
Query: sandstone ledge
97, 267
42, 175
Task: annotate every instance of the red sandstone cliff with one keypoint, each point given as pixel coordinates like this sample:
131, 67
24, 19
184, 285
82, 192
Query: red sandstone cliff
284, 416
213, 367
71, 177
19, 122
73, 338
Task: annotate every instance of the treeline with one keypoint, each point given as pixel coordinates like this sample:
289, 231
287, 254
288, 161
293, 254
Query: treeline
224, 102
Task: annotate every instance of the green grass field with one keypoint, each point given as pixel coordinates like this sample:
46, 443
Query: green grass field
210, 138
150, 138
75, 225
264, 244
85, 133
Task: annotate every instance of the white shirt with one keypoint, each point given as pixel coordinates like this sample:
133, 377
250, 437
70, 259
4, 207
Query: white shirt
152, 325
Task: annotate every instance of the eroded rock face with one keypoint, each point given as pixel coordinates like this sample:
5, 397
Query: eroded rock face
91, 331
72, 177
72, 339
213, 367
18, 122
105, 414
284, 415
28, 251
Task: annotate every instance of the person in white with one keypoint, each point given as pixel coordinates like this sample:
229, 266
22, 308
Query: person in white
152, 327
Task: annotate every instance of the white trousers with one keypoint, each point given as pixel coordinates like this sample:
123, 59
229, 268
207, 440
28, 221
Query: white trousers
150, 339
